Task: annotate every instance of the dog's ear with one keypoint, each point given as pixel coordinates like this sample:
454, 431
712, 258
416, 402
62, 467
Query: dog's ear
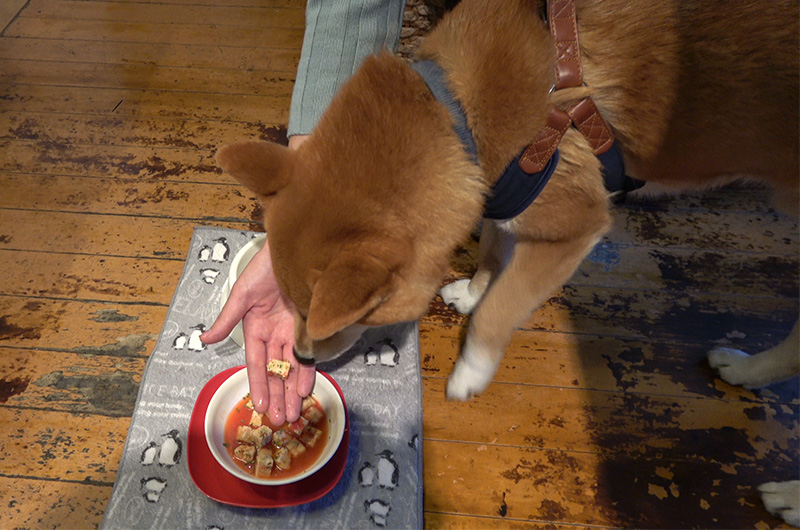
262, 167
355, 283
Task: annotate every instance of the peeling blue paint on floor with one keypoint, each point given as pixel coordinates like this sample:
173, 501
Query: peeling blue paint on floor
606, 254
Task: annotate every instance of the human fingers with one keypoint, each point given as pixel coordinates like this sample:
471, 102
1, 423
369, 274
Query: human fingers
293, 399
277, 395
256, 359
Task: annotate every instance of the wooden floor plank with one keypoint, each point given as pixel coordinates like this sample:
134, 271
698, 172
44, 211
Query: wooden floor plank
124, 196
124, 33
143, 163
58, 131
586, 489
219, 14
452, 521
610, 423
121, 329
138, 76
100, 235
58, 446
70, 382
156, 55
194, 3
89, 277
92, 100
60, 504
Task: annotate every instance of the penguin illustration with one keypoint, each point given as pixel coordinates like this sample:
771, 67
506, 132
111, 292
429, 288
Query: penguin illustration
171, 449
195, 344
204, 254
180, 341
390, 355
149, 454
209, 275
378, 511
414, 442
366, 475
371, 357
152, 488
220, 250
388, 472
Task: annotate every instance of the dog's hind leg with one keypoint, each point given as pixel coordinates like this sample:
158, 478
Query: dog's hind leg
536, 269
762, 369
494, 251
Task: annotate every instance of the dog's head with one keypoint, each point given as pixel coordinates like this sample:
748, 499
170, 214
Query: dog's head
362, 218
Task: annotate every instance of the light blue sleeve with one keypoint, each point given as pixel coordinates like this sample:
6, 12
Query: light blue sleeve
338, 35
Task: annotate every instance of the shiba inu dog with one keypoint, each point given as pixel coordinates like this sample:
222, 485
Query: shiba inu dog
364, 216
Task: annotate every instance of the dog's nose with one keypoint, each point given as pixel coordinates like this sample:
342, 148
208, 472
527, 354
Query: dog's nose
308, 361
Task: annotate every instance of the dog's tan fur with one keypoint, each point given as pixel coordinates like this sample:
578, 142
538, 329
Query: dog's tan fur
363, 217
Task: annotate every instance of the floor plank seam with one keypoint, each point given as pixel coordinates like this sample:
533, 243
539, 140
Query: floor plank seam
203, 221
160, 43
87, 481
742, 399
89, 254
86, 300
121, 415
500, 518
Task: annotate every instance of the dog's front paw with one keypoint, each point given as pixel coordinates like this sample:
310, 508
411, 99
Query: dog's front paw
782, 499
457, 296
735, 367
471, 375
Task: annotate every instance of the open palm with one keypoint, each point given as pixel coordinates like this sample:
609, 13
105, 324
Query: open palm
268, 324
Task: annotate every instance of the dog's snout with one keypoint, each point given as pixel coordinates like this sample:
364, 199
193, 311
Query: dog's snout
308, 361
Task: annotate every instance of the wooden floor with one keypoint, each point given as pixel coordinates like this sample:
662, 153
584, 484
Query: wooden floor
604, 412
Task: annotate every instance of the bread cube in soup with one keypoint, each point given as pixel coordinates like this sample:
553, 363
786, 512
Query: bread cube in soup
283, 459
299, 426
246, 453
311, 436
258, 437
279, 438
256, 420
313, 414
295, 447
308, 401
264, 462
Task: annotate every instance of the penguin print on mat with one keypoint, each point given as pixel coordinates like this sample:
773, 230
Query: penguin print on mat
384, 353
166, 455
384, 474
218, 252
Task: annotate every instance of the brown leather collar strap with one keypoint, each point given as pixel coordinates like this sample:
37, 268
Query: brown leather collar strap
562, 18
564, 28
538, 153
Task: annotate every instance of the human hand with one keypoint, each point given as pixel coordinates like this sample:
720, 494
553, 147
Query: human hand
268, 325
296, 140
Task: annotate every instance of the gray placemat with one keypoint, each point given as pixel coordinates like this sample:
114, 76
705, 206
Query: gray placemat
380, 380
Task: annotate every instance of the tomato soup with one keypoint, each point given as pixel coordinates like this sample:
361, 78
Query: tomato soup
269, 452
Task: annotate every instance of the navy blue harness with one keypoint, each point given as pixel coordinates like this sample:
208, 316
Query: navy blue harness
516, 189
